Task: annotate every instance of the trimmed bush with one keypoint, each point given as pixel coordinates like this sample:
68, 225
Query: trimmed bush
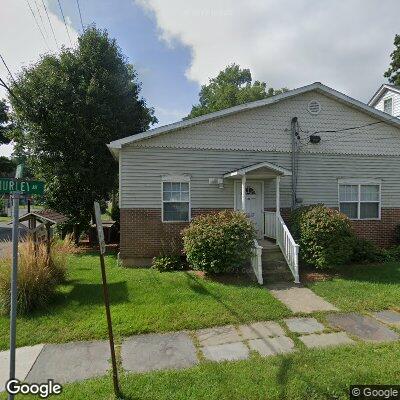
365, 251
219, 242
390, 255
38, 274
397, 234
168, 263
324, 236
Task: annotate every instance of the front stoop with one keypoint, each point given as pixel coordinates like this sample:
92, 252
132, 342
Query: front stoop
275, 268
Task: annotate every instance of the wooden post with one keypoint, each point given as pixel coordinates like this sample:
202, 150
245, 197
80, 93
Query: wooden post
278, 197
48, 244
102, 247
277, 206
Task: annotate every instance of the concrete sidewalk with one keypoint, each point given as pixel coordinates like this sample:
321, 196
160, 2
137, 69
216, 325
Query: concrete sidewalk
71, 362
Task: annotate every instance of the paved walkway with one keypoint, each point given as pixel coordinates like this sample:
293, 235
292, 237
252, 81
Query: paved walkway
72, 362
299, 299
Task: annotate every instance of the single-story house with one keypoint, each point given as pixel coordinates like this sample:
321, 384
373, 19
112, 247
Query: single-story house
305, 146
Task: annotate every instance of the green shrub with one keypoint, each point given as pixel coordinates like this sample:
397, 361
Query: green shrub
365, 251
324, 236
168, 263
219, 242
397, 234
38, 274
392, 254
115, 213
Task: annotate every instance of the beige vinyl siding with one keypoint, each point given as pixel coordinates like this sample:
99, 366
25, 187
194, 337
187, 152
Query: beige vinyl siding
395, 102
267, 128
142, 169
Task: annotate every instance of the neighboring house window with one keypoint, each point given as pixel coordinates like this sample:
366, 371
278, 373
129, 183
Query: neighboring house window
388, 106
360, 201
175, 199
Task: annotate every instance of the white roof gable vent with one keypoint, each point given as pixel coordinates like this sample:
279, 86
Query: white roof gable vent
314, 107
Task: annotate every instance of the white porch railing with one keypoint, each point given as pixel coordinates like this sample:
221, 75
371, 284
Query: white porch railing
256, 262
288, 247
270, 224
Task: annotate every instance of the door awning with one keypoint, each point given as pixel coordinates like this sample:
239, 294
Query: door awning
259, 170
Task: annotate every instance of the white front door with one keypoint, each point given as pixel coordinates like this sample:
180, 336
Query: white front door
254, 203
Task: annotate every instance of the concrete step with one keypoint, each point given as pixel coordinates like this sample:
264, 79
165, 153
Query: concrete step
274, 277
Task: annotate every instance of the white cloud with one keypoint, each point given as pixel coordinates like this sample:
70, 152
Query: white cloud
22, 42
344, 44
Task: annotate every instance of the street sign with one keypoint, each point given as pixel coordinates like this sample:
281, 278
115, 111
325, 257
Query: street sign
9, 185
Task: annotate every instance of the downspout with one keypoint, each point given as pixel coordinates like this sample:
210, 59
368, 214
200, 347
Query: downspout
294, 171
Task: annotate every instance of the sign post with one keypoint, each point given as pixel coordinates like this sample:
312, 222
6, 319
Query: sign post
15, 187
102, 245
14, 278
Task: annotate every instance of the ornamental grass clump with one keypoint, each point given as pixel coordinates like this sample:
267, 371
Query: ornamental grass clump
219, 242
39, 273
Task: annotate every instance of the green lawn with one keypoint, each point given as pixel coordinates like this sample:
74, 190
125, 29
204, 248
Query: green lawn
312, 375
5, 219
363, 288
143, 300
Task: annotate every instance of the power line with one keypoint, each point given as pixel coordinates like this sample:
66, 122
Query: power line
80, 14
65, 23
8, 69
37, 24
51, 25
40, 16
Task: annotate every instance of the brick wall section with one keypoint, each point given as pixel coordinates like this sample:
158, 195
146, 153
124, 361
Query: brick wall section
381, 232
144, 235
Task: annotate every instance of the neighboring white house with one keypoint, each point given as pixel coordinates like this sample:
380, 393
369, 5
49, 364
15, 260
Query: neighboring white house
347, 156
387, 99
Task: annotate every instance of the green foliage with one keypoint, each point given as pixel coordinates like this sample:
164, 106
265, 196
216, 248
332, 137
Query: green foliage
168, 263
38, 274
5, 125
7, 166
365, 251
397, 234
232, 86
324, 236
219, 242
115, 212
70, 106
389, 255
393, 72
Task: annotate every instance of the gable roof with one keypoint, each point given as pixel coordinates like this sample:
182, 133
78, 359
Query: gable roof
254, 167
383, 88
317, 86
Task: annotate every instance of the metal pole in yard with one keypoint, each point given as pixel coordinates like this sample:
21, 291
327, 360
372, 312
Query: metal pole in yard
102, 246
14, 278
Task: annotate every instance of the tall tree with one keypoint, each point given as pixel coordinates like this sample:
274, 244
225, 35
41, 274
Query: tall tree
393, 72
4, 123
232, 86
67, 108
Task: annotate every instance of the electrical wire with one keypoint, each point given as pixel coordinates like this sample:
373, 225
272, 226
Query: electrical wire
8, 69
51, 25
65, 23
37, 24
40, 16
80, 15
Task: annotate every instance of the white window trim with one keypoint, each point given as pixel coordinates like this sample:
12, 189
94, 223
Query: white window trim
359, 183
391, 105
174, 179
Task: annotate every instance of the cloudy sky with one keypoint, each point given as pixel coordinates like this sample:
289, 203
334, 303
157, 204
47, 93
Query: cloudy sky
176, 45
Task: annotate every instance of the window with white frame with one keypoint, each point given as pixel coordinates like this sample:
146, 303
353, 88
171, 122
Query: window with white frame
388, 106
360, 200
175, 199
